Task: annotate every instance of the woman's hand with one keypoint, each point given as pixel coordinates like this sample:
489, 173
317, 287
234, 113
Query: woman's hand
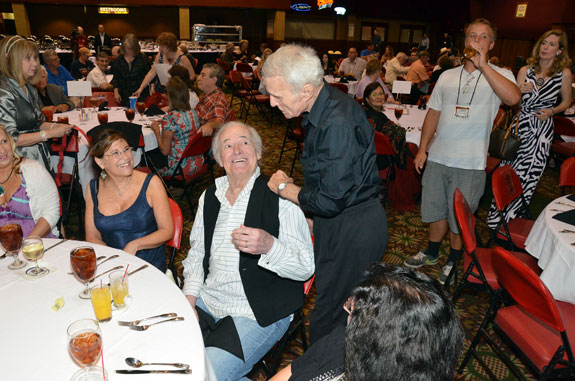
544, 114
131, 248
59, 130
137, 93
117, 97
155, 126
62, 108
49, 108
526, 87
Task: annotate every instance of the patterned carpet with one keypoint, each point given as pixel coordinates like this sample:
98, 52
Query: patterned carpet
407, 235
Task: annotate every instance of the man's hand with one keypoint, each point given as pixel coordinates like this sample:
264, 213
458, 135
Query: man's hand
192, 299
117, 97
278, 178
479, 60
251, 240
49, 108
206, 130
62, 108
420, 160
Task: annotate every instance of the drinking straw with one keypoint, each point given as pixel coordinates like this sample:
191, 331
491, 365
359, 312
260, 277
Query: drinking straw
125, 272
103, 370
101, 286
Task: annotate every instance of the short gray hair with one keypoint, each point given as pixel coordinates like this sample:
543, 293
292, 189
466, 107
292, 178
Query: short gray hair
297, 64
401, 55
216, 71
254, 138
48, 54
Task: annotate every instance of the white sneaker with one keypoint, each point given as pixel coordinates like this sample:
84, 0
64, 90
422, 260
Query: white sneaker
445, 273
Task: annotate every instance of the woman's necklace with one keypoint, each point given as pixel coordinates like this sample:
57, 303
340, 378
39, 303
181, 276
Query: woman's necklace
2, 190
121, 191
540, 81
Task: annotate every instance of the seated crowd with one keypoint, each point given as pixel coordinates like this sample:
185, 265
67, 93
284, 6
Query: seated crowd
251, 246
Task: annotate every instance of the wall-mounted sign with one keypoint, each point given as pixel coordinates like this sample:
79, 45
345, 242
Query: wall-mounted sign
301, 7
521, 10
113, 10
323, 4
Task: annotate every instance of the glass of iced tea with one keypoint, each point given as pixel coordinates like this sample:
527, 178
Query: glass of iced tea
48, 114
141, 107
398, 112
11, 239
33, 249
103, 117
85, 348
63, 119
83, 261
130, 114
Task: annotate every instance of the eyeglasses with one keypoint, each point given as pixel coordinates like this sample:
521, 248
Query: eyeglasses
118, 154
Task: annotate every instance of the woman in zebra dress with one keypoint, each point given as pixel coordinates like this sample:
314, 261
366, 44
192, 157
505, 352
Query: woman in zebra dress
542, 81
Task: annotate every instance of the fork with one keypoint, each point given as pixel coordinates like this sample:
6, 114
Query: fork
105, 272
566, 231
145, 327
136, 322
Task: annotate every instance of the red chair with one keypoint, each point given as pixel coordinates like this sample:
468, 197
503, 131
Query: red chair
492, 164
539, 328
477, 258
296, 134
108, 95
225, 67
565, 127
198, 145
176, 240
383, 148
238, 91
341, 86
158, 99
245, 68
567, 175
258, 100
507, 188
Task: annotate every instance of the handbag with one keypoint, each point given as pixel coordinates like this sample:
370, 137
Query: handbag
504, 141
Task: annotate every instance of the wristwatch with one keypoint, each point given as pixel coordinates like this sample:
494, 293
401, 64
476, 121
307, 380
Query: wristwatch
281, 187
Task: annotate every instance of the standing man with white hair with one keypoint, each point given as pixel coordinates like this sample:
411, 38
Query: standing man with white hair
341, 182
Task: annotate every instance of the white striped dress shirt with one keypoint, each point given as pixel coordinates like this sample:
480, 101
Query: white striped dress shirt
291, 255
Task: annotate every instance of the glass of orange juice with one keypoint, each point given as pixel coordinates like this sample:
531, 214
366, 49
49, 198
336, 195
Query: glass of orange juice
120, 288
101, 302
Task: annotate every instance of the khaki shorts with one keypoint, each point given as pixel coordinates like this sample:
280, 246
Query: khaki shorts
439, 183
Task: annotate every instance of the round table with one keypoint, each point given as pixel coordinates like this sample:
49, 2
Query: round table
553, 249
34, 342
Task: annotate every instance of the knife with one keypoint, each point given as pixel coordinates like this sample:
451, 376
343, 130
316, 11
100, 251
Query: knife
138, 269
138, 371
54, 245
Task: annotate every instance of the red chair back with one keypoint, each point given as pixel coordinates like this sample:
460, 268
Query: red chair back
466, 221
197, 145
232, 116
567, 175
526, 288
236, 77
506, 186
563, 126
158, 99
382, 144
223, 65
307, 285
244, 67
178, 219
342, 86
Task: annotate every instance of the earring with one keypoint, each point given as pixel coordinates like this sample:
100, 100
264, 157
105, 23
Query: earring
103, 175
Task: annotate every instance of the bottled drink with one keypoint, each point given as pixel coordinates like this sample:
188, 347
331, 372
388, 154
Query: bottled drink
469, 52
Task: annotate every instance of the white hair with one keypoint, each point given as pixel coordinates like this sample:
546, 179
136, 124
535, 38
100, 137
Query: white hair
297, 64
254, 138
401, 55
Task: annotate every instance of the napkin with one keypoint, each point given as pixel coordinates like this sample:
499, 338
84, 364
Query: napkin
222, 334
153, 110
567, 217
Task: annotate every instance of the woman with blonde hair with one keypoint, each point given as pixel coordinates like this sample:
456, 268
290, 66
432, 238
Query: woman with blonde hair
20, 111
258, 72
168, 54
545, 78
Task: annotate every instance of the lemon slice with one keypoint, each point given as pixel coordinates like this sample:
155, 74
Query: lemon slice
58, 304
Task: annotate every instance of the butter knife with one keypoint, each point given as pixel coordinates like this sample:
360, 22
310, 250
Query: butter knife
54, 245
138, 371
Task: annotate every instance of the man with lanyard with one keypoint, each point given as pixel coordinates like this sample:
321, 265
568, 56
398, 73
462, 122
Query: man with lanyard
462, 107
341, 182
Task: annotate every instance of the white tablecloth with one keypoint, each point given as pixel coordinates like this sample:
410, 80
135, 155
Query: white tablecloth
34, 342
351, 85
412, 121
116, 114
555, 254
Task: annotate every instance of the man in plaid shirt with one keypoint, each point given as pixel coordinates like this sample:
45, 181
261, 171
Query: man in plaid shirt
213, 109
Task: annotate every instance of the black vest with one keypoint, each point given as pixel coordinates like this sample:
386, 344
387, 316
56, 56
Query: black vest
271, 297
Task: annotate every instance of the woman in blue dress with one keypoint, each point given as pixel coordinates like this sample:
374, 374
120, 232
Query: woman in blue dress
126, 209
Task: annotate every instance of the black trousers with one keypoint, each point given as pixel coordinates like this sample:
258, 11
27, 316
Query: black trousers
344, 245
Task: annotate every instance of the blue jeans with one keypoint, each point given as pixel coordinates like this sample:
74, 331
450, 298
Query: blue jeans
256, 342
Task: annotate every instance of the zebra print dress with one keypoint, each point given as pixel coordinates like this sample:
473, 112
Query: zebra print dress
536, 137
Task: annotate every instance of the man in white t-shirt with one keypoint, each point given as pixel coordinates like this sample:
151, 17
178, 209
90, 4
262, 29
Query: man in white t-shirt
98, 74
462, 107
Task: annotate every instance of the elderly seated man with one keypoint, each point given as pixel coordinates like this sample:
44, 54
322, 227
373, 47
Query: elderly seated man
395, 68
401, 326
98, 74
250, 253
352, 66
213, 109
51, 96
228, 55
57, 74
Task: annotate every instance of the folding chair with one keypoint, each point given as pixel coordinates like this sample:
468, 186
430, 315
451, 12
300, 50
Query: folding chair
238, 89
341, 86
258, 100
271, 361
562, 127
175, 242
247, 71
296, 134
384, 149
540, 329
197, 145
507, 188
477, 258
567, 175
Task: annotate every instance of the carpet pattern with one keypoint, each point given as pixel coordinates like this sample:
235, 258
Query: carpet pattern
407, 235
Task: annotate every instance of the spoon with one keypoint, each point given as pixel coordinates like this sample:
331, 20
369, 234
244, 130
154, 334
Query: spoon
135, 363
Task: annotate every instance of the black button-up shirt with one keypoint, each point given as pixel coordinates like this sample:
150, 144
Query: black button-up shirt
338, 157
